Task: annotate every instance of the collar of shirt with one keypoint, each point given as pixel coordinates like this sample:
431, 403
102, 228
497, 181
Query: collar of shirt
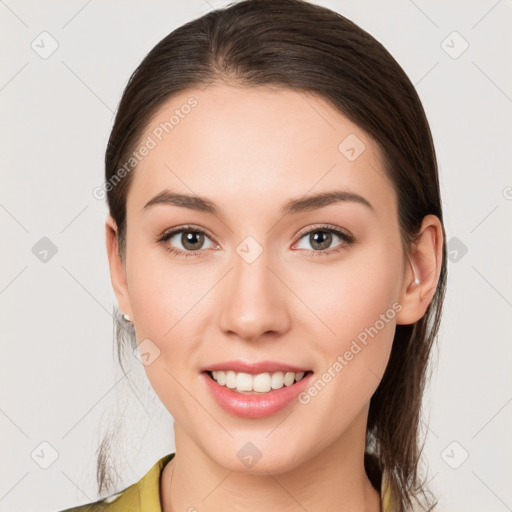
144, 495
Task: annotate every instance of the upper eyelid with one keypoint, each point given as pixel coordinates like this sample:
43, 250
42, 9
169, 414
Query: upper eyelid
179, 229
322, 227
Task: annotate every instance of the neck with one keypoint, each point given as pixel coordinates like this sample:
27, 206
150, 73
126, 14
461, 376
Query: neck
332, 479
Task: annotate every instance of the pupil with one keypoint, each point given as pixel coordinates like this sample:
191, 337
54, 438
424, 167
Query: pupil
321, 234
192, 239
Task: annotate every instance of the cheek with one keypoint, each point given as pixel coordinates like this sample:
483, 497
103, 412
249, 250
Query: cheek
352, 293
164, 301
168, 304
161, 294
355, 305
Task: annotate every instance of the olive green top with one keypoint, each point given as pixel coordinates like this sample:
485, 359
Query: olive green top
144, 495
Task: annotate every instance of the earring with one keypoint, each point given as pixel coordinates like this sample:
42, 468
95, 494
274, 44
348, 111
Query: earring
126, 318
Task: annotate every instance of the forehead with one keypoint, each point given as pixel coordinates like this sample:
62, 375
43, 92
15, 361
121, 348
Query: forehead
248, 147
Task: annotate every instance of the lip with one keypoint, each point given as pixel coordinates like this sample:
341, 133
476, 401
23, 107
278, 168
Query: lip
255, 405
254, 368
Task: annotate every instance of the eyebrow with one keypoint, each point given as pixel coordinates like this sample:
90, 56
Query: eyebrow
291, 207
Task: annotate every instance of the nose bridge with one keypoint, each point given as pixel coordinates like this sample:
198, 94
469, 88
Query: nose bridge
253, 300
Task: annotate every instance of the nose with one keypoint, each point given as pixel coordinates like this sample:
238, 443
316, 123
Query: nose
254, 300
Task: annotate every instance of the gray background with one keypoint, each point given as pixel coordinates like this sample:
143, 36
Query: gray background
59, 384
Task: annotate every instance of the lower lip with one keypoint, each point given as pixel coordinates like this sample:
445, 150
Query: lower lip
257, 405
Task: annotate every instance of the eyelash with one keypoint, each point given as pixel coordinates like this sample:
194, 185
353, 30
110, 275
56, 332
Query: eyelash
347, 241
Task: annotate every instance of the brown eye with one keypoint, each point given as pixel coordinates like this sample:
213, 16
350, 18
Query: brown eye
192, 240
185, 241
321, 239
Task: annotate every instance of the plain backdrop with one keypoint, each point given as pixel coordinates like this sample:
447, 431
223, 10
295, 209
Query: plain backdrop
64, 66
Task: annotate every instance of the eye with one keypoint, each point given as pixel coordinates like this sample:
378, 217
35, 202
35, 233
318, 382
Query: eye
188, 239
322, 237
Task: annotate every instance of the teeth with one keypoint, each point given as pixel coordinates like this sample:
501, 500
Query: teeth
261, 383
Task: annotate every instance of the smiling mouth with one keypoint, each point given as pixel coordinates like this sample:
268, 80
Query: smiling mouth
261, 383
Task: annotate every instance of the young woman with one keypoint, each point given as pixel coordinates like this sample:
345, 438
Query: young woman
277, 250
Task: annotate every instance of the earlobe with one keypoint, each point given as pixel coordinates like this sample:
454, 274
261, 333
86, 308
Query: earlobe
116, 265
422, 273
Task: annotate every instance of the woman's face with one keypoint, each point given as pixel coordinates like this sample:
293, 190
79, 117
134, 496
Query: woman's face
256, 286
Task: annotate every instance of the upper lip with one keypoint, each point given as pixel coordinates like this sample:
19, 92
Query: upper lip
254, 368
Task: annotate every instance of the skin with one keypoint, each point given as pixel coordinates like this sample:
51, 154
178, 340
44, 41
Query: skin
249, 151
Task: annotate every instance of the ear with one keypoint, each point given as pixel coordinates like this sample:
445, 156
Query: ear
117, 269
422, 272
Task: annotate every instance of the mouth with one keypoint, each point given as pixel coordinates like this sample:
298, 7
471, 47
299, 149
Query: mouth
256, 395
256, 384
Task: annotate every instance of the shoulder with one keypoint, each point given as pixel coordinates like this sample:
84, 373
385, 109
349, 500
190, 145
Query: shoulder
143, 495
115, 503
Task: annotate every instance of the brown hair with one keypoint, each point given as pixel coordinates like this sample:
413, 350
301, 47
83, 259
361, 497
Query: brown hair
305, 47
